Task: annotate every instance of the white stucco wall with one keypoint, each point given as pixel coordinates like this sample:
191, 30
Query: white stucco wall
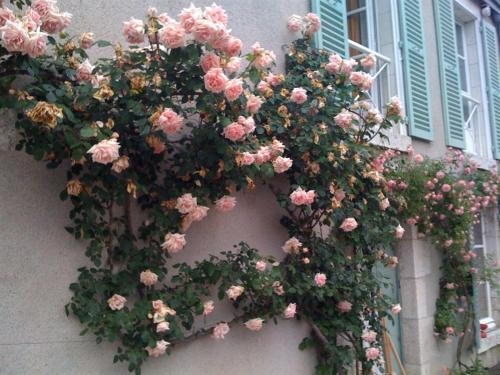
38, 259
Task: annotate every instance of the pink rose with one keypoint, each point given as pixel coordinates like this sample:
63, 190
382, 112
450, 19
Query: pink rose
290, 311
189, 16
133, 31
295, 23
233, 90
148, 278
320, 279
36, 44
234, 132
117, 302
281, 164
263, 155
31, 20
105, 151
312, 22
216, 13
419, 158
396, 309
368, 62
349, 224
159, 350
440, 175
162, 327
399, 232
254, 324
369, 336
277, 147
215, 80
43, 7
260, 266
274, 80
208, 307
234, 292
169, 121
55, 22
186, 203
347, 66
334, 65
446, 188
292, 246
233, 65
247, 158
198, 214
299, 95
344, 306
220, 330
372, 353
172, 35
253, 103
362, 80
203, 30
225, 204
84, 71
14, 36
174, 242
233, 46
6, 15
301, 197
248, 123
339, 195
344, 119
209, 61
450, 330
263, 87
384, 204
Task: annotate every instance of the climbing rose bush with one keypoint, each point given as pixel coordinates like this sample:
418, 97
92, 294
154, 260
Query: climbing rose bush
172, 126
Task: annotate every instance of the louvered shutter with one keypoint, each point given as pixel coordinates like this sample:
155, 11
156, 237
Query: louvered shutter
333, 33
490, 41
449, 72
415, 69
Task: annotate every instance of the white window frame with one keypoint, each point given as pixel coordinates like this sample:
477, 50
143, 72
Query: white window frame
484, 156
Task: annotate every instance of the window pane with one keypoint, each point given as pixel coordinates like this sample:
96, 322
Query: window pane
478, 233
358, 28
483, 300
463, 74
460, 40
355, 4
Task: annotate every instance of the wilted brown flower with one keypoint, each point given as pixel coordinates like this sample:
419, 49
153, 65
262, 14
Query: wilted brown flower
45, 113
104, 93
74, 187
138, 83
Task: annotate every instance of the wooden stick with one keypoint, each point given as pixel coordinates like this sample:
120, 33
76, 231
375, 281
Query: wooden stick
398, 360
387, 351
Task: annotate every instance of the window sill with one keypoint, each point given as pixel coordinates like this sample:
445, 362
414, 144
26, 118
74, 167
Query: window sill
484, 163
489, 342
395, 141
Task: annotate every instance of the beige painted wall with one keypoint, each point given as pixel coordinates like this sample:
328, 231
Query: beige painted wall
38, 259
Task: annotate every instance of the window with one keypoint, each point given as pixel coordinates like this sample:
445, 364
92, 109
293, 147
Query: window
472, 82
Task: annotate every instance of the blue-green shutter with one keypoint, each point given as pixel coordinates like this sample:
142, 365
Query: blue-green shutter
333, 33
490, 41
449, 72
415, 69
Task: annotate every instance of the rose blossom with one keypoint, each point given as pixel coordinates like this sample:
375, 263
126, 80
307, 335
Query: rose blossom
281, 164
234, 132
208, 307
233, 46
344, 306
162, 327
446, 188
159, 350
369, 336
320, 279
247, 158
198, 213
313, 23
292, 246
43, 7
399, 232
260, 266
299, 95
84, 71
253, 103
254, 324
189, 16
384, 204
148, 278
55, 22
396, 309
233, 65
339, 195
225, 204
169, 121
344, 119
295, 23
215, 80
172, 35
220, 330
86, 40
36, 44
248, 123
301, 197
6, 15
368, 62
105, 151
116, 302
174, 242
14, 36
233, 90
209, 61
419, 158
133, 31
372, 354
361, 79
234, 292
263, 155
186, 203
450, 330
290, 311
334, 65
349, 224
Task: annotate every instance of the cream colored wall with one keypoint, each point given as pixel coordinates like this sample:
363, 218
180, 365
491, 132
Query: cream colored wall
38, 259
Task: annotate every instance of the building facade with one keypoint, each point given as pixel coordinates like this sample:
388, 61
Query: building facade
441, 57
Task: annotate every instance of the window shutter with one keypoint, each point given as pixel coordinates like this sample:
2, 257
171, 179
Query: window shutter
490, 41
449, 73
333, 33
415, 69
